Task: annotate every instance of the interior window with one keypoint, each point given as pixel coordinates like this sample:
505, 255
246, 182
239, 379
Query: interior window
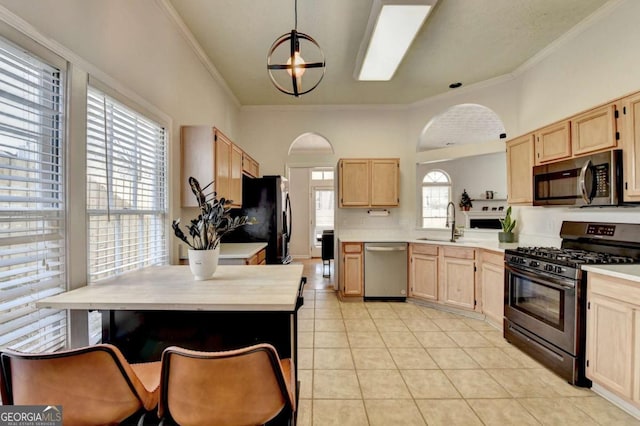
436, 194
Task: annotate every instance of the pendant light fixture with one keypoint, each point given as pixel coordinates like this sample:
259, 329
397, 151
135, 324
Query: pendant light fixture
287, 65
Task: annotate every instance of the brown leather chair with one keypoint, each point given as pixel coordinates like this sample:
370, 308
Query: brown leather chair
248, 386
95, 385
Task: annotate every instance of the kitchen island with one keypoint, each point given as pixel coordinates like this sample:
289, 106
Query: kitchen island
235, 254
145, 311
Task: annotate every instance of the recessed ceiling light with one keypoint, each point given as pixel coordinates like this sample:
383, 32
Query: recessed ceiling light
393, 24
455, 85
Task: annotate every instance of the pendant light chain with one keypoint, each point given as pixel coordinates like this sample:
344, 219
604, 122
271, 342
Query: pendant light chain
295, 8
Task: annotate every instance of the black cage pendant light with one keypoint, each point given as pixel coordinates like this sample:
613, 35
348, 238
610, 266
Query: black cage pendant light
286, 65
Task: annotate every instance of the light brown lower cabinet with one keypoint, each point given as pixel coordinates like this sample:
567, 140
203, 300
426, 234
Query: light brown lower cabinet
613, 335
351, 274
423, 271
458, 277
258, 259
443, 274
492, 285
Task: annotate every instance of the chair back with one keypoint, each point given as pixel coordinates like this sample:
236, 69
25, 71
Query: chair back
248, 386
94, 384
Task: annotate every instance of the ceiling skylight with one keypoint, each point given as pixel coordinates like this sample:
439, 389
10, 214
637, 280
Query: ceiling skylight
391, 30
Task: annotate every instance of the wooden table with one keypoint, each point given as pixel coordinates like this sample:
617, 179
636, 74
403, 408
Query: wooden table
145, 311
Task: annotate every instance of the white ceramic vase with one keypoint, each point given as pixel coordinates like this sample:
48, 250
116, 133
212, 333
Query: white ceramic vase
203, 263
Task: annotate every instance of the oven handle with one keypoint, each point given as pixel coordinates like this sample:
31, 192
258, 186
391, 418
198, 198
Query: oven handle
556, 283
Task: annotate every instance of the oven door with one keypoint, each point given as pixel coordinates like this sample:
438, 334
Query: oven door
542, 304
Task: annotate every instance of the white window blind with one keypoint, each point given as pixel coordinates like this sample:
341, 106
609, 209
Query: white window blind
126, 188
32, 201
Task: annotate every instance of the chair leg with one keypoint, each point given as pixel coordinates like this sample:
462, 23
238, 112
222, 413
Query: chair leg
326, 263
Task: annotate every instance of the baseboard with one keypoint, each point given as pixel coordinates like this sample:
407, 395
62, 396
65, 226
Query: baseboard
301, 256
441, 307
616, 400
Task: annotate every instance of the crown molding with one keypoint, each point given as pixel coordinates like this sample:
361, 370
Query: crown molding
177, 20
597, 16
74, 59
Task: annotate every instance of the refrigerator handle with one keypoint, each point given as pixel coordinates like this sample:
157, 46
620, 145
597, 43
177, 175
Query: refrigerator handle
289, 218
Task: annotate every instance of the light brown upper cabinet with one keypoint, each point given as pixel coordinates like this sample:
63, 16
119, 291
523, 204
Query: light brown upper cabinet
553, 142
208, 155
594, 130
369, 182
250, 167
235, 183
519, 170
630, 140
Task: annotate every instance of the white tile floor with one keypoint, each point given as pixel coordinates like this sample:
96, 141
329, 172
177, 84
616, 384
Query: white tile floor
381, 363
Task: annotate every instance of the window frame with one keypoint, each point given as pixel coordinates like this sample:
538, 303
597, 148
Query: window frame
54, 321
130, 105
448, 185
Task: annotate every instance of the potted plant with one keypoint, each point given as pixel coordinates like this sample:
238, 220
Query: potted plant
465, 201
207, 229
506, 236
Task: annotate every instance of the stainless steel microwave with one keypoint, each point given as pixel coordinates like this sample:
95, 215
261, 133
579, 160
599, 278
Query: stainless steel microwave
590, 180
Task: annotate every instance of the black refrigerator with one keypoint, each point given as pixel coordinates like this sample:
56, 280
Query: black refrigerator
266, 199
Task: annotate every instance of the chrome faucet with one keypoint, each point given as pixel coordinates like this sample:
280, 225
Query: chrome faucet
451, 221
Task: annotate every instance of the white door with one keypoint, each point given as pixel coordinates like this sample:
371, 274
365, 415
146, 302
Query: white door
322, 199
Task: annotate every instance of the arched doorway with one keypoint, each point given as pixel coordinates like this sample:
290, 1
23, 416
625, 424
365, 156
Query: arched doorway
312, 192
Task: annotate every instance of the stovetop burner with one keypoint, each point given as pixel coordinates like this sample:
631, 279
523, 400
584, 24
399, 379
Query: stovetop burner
573, 257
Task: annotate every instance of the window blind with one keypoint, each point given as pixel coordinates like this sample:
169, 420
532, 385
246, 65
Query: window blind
126, 188
32, 201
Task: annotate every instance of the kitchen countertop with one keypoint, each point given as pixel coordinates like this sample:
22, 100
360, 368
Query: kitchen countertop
625, 272
486, 244
172, 288
234, 250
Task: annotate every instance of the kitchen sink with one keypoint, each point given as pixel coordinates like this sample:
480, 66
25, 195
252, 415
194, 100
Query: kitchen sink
434, 239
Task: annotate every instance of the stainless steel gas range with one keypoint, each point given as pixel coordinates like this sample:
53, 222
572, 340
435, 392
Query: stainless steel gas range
545, 292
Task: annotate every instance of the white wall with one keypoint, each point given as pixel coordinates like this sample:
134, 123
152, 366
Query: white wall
590, 67
353, 132
135, 47
299, 194
600, 64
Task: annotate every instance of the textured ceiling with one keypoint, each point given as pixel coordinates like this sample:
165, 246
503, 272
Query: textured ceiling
462, 40
461, 124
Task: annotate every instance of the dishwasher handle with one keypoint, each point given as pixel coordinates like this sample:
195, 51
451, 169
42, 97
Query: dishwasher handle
384, 248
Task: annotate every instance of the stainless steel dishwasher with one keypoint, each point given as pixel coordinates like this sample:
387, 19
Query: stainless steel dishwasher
385, 271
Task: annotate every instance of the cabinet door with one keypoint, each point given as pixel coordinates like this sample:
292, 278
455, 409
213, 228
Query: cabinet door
636, 361
385, 182
197, 155
631, 147
492, 279
353, 274
235, 184
553, 143
223, 165
249, 165
354, 183
424, 276
458, 278
594, 130
520, 170
610, 344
